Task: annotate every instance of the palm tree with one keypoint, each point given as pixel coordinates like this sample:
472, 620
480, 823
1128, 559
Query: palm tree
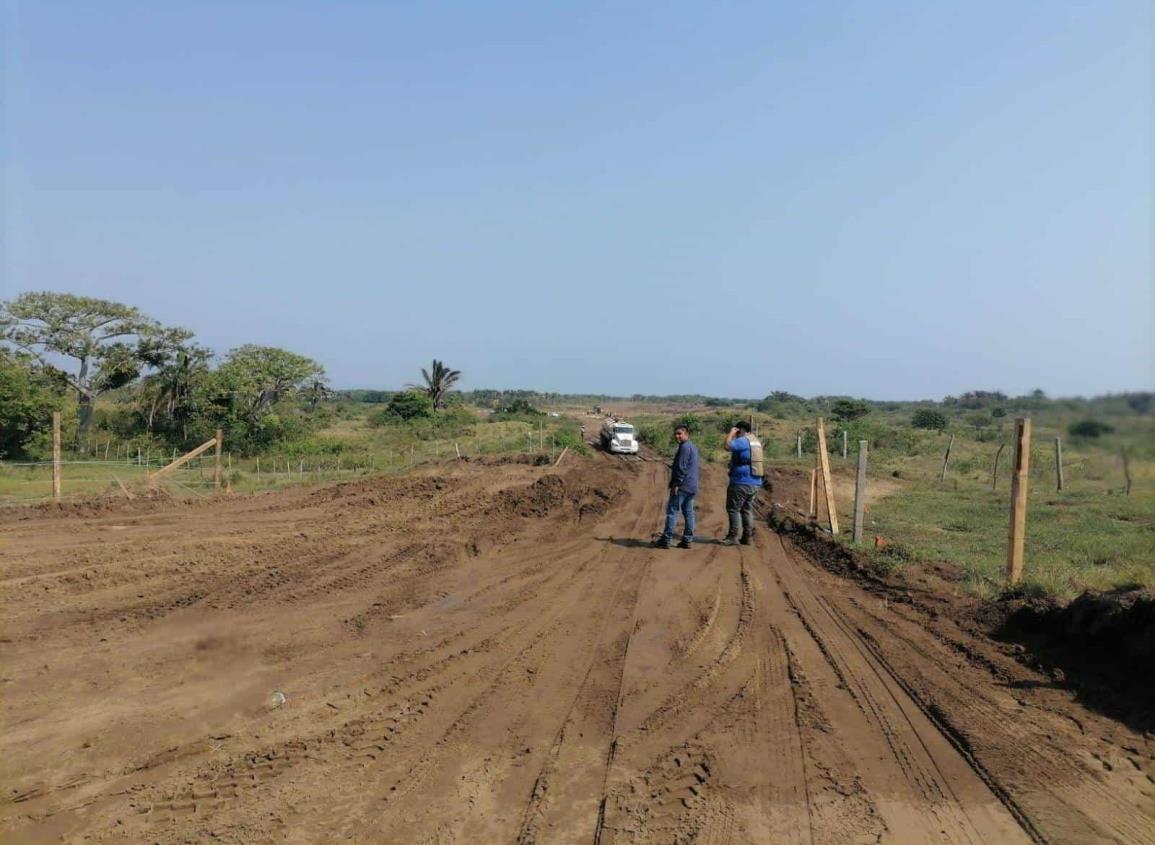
438, 380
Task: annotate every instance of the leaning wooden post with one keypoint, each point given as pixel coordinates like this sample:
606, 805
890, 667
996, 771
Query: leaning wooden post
946, 458
1019, 481
1126, 473
56, 455
1059, 463
827, 483
995, 472
860, 492
217, 467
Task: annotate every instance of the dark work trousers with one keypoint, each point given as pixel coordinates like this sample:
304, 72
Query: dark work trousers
740, 506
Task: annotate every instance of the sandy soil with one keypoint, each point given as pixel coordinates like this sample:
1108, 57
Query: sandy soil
493, 654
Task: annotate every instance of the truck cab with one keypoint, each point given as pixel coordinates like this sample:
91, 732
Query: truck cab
619, 437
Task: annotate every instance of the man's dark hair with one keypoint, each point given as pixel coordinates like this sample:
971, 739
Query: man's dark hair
742, 425
681, 427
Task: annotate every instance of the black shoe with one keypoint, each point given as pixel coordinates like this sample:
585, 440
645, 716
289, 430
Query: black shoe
747, 541
661, 543
685, 544
729, 541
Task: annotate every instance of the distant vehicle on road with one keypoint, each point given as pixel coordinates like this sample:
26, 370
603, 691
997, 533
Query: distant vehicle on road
619, 437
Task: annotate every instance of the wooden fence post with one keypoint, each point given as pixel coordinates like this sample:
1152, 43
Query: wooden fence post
217, 466
1019, 483
1126, 473
995, 473
799, 445
827, 482
946, 458
812, 512
1059, 463
860, 492
56, 485
844, 444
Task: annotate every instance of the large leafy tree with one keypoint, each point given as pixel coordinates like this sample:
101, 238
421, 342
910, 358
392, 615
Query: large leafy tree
247, 393
28, 396
439, 379
98, 341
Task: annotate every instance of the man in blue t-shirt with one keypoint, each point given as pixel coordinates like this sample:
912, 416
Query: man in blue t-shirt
683, 488
743, 487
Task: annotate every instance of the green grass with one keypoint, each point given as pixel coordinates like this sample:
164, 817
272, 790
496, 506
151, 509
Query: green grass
1075, 540
348, 448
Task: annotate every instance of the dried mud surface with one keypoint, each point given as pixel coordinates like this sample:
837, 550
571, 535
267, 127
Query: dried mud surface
493, 654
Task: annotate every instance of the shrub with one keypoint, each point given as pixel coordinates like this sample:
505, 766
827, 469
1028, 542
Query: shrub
658, 435
926, 418
571, 438
409, 405
849, 409
1089, 428
692, 423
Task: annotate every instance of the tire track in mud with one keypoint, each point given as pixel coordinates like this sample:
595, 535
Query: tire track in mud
1104, 809
378, 727
578, 718
922, 757
492, 685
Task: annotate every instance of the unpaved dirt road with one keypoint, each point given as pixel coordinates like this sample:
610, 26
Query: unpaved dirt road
493, 654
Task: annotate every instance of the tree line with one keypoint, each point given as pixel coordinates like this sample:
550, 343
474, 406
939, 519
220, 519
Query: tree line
61, 349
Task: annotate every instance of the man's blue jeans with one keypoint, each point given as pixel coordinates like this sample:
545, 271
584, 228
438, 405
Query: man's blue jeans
683, 502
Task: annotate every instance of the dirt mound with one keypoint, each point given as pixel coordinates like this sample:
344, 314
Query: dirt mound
110, 501
382, 489
551, 493
1103, 640
536, 460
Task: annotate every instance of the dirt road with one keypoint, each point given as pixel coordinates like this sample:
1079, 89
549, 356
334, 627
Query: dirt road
493, 654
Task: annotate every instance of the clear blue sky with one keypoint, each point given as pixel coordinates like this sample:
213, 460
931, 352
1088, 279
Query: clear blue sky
880, 199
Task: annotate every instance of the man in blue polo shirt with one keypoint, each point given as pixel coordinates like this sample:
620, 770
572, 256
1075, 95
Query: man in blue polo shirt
744, 485
683, 488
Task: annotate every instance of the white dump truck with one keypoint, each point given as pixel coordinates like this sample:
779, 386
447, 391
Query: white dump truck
619, 437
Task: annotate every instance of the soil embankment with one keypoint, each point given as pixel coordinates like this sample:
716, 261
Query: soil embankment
494, 654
